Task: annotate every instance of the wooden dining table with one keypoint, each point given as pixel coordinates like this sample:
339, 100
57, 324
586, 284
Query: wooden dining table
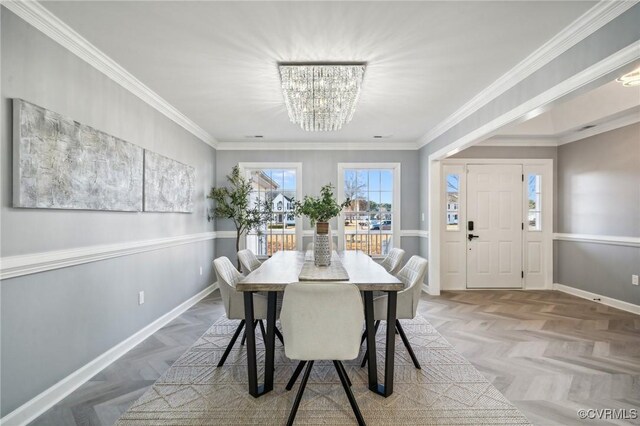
283, 269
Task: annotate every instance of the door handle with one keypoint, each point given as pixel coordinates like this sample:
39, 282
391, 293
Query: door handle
471, 237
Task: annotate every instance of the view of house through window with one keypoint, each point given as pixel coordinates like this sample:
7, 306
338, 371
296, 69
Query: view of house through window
278, 188
368, 219
534, 189
453, 204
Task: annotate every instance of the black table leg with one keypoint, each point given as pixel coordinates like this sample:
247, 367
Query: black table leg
270, 344
389, 361
386, 389
252, 369
371, 341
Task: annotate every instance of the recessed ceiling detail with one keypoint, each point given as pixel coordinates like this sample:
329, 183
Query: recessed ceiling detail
321, 97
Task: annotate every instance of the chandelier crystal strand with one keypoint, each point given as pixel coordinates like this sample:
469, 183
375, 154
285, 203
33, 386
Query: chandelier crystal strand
321, 97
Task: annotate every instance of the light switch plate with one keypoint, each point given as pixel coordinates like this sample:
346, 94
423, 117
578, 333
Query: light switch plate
141, 298
634, 279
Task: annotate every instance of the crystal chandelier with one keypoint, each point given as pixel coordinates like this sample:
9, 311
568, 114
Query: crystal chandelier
321, 97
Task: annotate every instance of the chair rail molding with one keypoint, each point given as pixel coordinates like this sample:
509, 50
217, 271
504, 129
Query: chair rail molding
25, 264
33, 408
599, 239
53, 27
414, 233
591, 21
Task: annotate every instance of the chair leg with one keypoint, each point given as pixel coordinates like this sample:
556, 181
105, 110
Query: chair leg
347, 390
244, 336
407, 345
262, 331
364, 335
231, 343
366, 354
296, 403
344, 371
279, 335
296, 373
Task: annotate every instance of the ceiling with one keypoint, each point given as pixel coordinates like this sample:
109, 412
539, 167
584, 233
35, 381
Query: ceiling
609, 106
216, 61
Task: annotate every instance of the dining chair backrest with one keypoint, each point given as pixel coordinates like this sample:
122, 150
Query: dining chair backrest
248, 260
412, 275
322, 321
228, 277
393, 260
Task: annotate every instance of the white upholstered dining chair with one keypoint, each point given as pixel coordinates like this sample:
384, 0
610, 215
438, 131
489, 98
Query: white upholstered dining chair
412, 275
248, 260
322, 321
393, 260
228, 277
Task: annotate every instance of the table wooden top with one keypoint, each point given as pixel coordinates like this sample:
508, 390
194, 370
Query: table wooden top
284, 267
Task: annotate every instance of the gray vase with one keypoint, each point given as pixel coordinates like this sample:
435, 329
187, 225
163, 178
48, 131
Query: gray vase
322, 246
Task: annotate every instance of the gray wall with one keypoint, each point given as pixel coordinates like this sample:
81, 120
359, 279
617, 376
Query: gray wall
320, 168
599, 194
609, 39
55, 322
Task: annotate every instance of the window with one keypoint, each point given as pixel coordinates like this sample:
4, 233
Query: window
453, 205
369, 221
278, 187
534, 190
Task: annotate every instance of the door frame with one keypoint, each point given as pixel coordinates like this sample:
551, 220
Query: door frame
531, 281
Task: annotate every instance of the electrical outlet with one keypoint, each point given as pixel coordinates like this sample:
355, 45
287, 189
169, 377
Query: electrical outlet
201, 270
634, 279
141, 298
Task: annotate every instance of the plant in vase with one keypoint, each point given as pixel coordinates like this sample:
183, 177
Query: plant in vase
320, 210
233, 202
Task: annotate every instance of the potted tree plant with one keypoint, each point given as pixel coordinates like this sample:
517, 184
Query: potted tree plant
320, 210
233, 202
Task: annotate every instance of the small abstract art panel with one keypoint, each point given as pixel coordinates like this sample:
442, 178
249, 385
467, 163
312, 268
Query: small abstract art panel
62, 164
168, 184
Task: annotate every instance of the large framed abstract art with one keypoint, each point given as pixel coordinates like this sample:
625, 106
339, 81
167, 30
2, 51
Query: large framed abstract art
59, 163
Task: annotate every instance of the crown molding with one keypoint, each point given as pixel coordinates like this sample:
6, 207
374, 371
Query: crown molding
563, 138
619, 59
536, 141
601, 128
42, 19
591, 21
317, 146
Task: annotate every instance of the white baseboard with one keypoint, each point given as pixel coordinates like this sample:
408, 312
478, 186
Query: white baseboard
33, 408
614, 303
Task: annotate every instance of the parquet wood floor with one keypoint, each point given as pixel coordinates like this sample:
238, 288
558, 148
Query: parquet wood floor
548, 352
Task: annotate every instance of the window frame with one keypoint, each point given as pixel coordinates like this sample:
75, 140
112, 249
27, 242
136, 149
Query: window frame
539, 194
396, 213
244, 166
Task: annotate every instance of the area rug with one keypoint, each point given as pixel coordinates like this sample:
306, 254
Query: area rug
447, 391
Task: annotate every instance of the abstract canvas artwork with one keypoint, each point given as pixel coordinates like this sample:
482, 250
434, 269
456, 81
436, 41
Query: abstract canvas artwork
62, 164
168, 184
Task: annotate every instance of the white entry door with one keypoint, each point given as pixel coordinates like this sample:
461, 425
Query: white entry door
494, 211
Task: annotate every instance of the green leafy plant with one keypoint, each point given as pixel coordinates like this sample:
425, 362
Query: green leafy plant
233, 202
321, 208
